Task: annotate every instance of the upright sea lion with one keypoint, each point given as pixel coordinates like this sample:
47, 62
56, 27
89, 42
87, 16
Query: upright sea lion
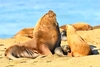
77, 45
46, 37
28, 32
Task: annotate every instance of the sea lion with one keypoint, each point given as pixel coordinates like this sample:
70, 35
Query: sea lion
46, 37
63, 50
79, 26
82, 26
28, 32
77, 44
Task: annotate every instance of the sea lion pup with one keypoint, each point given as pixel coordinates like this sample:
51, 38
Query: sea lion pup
63, 50
28, 32
46, 37
77, 45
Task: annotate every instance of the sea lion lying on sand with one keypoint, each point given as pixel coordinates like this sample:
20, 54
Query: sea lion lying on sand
79, 26
46, 37
82, 26
28, 32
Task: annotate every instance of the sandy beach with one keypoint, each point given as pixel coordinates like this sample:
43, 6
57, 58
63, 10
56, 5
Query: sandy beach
91, 37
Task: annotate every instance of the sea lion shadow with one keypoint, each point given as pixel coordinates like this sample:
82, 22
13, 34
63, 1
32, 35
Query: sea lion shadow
94, 49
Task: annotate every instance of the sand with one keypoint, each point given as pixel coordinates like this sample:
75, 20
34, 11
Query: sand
91, 37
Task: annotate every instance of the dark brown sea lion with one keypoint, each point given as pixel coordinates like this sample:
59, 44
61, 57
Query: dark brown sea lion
46, 37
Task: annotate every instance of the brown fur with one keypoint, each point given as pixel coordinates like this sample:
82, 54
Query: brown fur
82, 26
46, 39
79, 26
28, 32
77, 45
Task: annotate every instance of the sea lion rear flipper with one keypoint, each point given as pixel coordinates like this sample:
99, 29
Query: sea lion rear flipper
17, 51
